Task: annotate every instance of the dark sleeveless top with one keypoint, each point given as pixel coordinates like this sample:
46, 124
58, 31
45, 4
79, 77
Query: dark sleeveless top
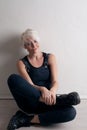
40, 76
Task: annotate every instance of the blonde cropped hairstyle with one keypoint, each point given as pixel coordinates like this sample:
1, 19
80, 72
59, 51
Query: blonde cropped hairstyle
30, 33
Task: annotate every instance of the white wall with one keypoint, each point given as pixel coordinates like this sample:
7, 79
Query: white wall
62, 25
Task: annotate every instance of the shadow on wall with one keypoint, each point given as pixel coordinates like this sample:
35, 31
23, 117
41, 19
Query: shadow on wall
9, 54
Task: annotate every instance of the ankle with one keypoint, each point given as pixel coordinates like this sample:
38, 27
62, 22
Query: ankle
35, 119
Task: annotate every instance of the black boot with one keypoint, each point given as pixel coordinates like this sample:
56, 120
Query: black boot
72, 98
18, 120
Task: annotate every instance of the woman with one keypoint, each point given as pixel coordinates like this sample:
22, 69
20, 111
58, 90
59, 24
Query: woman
34, 90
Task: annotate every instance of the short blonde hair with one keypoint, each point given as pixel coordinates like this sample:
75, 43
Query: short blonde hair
30, 33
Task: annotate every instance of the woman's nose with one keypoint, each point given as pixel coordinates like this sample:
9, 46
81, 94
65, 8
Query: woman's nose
33, 44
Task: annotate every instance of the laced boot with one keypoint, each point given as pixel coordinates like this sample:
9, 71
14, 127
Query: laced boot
18, 120
72, 98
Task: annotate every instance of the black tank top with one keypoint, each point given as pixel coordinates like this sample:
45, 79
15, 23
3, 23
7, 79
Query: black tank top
40, 76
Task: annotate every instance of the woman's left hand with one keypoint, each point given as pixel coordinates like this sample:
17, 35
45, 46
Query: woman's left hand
53, 97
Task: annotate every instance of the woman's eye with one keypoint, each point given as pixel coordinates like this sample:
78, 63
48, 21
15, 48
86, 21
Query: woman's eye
35, 41
28, 44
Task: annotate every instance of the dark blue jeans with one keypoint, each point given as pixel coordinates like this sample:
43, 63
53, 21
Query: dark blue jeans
27, 99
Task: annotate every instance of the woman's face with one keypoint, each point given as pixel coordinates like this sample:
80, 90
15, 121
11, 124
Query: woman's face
31, 44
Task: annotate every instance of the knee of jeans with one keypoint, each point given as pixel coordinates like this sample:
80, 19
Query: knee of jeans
10, 79
72, 113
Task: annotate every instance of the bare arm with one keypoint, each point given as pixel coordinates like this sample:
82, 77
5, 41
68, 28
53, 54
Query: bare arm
54, 80
54, 73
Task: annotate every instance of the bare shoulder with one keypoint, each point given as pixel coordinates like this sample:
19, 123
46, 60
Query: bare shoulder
20, 63
51, 59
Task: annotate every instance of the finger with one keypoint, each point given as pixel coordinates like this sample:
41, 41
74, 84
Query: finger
48, 100
53, 100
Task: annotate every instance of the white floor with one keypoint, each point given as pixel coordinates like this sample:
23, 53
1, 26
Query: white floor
9, 107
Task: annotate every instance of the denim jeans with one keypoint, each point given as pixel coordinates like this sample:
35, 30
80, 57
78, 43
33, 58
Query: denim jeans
27, 99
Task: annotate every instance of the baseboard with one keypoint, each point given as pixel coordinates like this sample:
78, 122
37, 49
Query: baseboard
6, 98
11, 98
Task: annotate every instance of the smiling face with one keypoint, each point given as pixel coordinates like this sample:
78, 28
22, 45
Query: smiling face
31, 44
31, 41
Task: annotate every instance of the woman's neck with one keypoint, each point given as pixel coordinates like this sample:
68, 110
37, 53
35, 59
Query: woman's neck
35, 55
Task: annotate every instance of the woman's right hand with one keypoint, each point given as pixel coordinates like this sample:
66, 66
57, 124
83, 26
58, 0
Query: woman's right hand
46, 96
